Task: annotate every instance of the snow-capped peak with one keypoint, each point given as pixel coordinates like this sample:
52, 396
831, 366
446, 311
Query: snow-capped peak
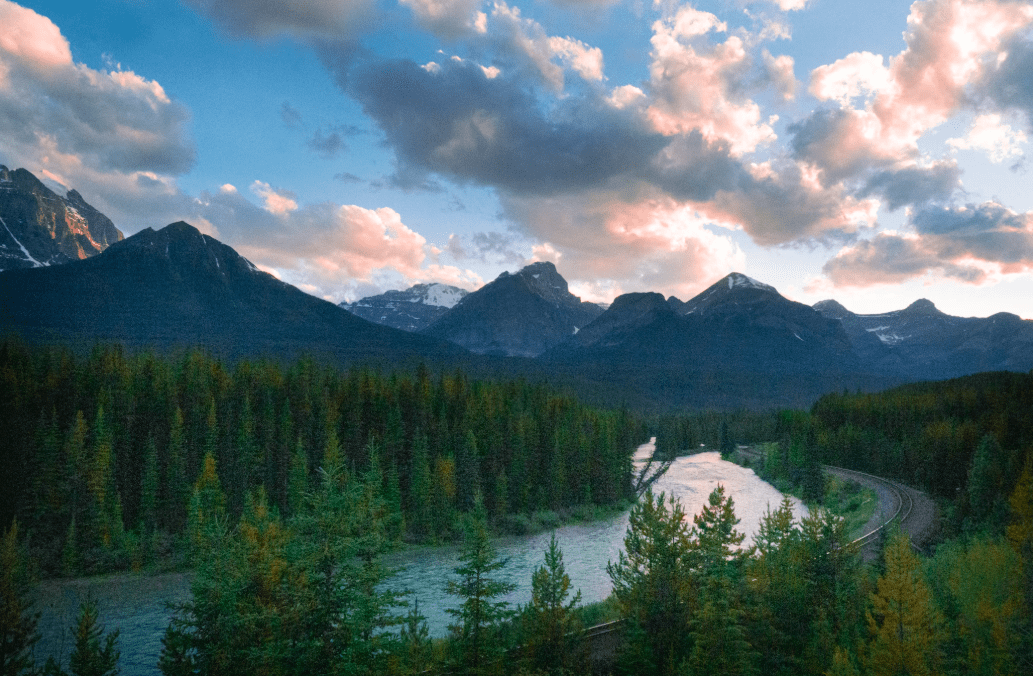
739, 280
443, 295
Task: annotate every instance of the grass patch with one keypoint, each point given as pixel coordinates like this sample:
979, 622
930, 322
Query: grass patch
599, 612
852, 501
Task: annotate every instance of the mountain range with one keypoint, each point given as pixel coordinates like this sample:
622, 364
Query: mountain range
177, 287
739, 343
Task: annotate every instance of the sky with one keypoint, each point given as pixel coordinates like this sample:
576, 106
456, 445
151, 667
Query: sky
872, 152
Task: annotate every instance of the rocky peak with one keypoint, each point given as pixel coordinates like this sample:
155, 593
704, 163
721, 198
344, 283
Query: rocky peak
735, 288
832, 309
921, 307
40, 228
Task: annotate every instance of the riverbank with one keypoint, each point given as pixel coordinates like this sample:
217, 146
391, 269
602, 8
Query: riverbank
856, 503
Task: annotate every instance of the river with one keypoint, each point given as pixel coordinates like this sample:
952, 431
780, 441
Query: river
137, 604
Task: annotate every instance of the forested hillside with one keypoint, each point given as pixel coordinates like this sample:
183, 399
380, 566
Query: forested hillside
965, 440
103, 454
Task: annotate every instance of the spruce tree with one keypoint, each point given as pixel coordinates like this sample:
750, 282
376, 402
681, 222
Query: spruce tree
94, 653
17, 619
475, 631
550, 622
653, 584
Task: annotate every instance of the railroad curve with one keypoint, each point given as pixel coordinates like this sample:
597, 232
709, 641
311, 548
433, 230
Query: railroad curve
912, 509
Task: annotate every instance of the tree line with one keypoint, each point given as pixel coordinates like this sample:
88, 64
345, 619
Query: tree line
105, 451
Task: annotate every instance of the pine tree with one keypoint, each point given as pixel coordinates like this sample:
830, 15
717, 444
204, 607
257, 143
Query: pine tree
718, 633
207, 517
297, 481
17, 619
94, 653
475, 631
177, 486
550, 621
415, 638
653, 584
468, 482
419, 487
149, 498
905, 624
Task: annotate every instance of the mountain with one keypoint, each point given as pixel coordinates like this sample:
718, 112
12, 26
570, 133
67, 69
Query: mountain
178, 287
521, 314
922, 343
414, 309
738, 343
737, 324
40, 228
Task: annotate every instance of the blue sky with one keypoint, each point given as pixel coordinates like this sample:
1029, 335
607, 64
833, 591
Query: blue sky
870, 152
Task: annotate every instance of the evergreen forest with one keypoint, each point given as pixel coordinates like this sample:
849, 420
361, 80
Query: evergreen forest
283, 488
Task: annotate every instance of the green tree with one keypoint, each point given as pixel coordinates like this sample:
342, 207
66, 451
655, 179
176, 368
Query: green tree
94, 653
550, 622
475, 631
207, 517
419, 487
297, 481
653, 584
985, 484
718, 632
468, 481
17, 619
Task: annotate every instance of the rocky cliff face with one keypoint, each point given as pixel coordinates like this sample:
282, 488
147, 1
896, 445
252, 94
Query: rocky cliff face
38, 227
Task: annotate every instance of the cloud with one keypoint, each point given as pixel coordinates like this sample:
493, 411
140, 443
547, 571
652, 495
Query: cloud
914, 185
494, 247
329, 142
290, 115
989, 134
277, 201
333, 19
527, 40
458, 123
891, 258
66, 115
611, 244
951, 47
447, 18
1009, 83
701, 88
971, 243
858, 74
328, 249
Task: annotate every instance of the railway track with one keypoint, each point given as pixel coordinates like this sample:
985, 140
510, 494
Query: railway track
903, 500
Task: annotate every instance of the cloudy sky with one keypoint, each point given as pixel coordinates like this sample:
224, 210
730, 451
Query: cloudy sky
874, 152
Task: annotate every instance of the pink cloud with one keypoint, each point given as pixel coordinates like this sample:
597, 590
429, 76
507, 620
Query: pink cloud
697, 87
615, 242
975, 244
950, 46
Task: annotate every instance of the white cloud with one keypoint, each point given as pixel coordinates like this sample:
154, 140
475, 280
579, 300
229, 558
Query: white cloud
448, 18
860, 73
528, 39
277, 201
698, 88
992, 136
